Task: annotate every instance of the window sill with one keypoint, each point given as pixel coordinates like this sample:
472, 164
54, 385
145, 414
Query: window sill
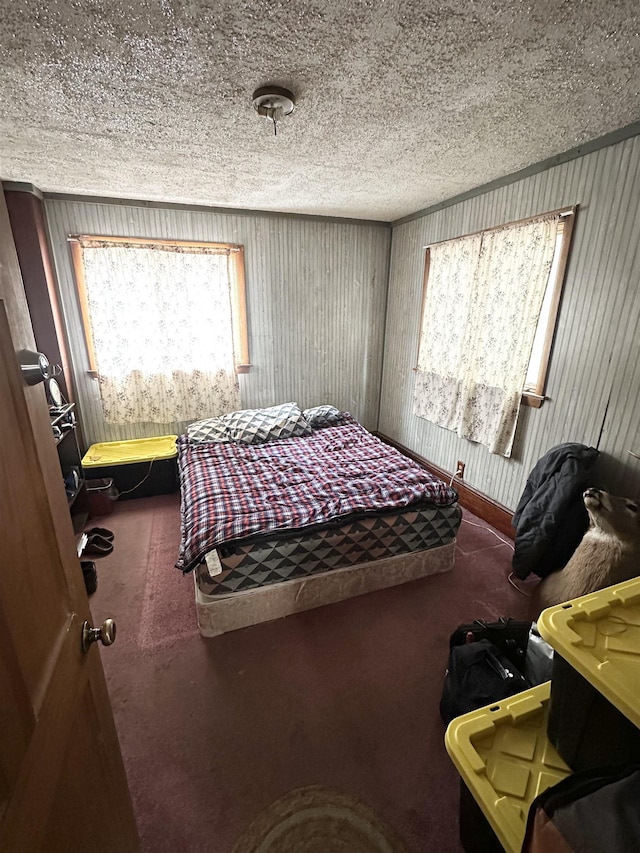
239, 368
532, 400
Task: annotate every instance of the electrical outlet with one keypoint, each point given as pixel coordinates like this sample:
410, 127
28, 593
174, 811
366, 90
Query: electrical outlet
460, 470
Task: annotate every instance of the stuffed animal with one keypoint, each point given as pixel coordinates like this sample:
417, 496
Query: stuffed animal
609, 552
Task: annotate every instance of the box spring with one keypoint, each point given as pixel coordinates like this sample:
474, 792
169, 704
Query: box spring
267, 577
218, 614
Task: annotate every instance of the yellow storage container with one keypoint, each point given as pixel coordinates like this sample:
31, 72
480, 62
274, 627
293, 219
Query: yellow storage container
505, 759
127, 452
594, 717
139, 468
599, 635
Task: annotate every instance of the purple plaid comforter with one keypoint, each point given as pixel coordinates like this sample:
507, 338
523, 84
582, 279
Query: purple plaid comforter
230, 491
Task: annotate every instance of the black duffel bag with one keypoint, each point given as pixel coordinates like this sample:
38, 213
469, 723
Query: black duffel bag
509, 635
478, 674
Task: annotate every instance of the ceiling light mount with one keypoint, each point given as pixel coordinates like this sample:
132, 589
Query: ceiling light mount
274, 103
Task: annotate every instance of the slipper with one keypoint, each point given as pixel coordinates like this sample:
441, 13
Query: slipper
90, 576
101, 531
98, 545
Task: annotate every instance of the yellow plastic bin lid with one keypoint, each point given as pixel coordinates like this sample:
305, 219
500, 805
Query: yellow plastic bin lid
126, 452
599, 635
505, 759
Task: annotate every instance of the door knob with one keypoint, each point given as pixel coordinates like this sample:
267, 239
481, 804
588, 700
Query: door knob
106, 633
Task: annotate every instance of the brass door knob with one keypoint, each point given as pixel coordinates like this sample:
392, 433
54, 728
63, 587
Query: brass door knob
106, 633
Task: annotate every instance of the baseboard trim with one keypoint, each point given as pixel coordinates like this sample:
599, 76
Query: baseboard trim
479, 504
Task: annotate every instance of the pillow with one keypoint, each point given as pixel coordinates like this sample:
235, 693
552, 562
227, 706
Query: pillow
254, 426
211, 429
321, 416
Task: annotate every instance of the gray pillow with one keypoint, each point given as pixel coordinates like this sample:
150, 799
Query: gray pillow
211, 429
255, 426
321, 416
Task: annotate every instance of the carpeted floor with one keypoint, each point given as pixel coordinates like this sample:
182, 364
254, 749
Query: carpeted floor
344, 697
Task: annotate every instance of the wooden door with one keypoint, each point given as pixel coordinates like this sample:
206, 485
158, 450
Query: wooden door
62, 780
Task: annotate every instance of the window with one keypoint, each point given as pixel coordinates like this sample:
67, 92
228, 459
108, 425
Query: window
484, 296
165, 326
539, 361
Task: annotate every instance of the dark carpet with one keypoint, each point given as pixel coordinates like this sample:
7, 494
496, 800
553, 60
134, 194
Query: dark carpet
345, 697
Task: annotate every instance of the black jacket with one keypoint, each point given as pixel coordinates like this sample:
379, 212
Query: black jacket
551, 519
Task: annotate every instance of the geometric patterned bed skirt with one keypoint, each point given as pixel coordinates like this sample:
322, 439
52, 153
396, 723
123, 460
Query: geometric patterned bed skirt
278, 557
218, 614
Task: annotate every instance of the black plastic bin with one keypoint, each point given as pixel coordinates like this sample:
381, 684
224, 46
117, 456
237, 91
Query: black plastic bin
141, 479
139, 467
476, 833
101, 495
585, 728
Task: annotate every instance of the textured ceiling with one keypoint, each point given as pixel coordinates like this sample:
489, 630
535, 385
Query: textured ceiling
399, 104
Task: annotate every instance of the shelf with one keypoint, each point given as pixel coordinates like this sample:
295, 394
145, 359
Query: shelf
61, 413
65, 433
63, 419
79, 522
71, 498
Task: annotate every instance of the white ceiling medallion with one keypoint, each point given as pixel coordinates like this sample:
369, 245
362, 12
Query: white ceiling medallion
274, 103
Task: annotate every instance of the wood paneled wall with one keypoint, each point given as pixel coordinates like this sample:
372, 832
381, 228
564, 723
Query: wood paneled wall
593, 386
316, 294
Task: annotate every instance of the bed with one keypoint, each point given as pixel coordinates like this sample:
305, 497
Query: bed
284, 510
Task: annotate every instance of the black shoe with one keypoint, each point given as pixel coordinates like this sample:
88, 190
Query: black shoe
90, 575
98, 545
101, 531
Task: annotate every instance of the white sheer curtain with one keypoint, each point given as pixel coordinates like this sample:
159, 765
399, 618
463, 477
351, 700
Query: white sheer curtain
162, 332
483, 298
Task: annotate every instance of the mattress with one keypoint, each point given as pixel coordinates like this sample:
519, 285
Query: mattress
231, 491
277, 527
264, 560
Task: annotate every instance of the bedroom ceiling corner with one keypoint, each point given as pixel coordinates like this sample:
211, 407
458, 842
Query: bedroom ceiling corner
398, 105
